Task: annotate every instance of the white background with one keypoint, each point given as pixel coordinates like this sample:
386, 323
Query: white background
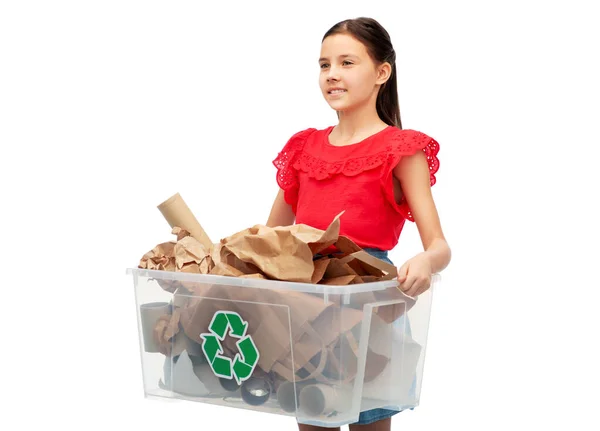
107, 108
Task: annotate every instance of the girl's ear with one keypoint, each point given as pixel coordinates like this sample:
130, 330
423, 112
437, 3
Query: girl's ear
383, 73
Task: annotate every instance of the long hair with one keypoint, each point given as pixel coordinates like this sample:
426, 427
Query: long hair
379, 46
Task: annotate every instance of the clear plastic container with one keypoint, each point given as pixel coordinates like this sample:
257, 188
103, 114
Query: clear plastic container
317, 352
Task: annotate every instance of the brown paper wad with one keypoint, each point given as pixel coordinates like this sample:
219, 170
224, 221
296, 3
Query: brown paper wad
283, 253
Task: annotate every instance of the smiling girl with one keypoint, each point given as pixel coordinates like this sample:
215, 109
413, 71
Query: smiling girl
366, 165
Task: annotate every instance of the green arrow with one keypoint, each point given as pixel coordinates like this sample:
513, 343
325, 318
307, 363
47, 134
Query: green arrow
219, 325
241, 371
211, 347
244, 362
222, 367
238, 326
248, 350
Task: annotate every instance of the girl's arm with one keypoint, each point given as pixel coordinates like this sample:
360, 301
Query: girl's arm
413, 173
281, 212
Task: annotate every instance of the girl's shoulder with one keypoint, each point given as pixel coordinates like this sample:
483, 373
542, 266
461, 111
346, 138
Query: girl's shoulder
406, 142
309, 134
298, 140
409, 140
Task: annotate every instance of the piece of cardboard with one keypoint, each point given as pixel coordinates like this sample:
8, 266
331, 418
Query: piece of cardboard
391, 272
337, 268
346, 245
320, 268
362, 268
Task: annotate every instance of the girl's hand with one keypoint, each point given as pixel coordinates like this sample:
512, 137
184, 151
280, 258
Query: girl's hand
415, 275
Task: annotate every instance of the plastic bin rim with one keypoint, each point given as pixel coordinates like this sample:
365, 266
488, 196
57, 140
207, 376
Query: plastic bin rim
268, 284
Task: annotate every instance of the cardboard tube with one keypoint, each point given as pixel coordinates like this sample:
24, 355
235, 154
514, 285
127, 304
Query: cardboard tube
287, 397
256, 390
149, 314
177, 213
319, 399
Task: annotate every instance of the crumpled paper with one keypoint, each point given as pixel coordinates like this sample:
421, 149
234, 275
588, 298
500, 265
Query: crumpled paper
282, 253
187, 254
165, 329
175, 256
161, 257
285, 253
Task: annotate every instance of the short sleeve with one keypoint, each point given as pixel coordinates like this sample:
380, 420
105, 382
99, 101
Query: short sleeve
407, 143
287, 175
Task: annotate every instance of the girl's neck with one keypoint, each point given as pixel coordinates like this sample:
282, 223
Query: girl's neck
358, 123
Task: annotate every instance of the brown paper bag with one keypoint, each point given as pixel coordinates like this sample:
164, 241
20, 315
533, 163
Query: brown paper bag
283, 253
319, 271
346, 245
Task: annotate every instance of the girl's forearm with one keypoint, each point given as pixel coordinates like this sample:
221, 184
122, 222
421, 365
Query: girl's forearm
439, 254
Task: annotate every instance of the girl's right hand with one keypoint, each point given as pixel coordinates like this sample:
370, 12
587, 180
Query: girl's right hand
415, 275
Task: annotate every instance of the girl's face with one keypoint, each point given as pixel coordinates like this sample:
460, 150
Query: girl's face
348, 78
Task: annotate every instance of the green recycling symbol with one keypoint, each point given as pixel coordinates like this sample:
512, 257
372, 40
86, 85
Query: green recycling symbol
244, 362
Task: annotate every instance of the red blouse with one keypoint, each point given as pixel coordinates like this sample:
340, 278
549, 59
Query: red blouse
320, 180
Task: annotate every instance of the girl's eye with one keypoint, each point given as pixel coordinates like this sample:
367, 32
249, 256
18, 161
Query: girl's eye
345, 62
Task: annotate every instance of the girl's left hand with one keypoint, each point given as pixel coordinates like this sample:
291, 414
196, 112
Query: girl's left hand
415, 275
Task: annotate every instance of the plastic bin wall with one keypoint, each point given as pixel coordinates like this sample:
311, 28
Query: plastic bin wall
319, 353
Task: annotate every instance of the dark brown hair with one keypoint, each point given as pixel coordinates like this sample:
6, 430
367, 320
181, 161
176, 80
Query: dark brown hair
379, 46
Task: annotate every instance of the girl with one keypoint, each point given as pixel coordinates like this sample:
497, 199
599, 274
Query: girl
367, 165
